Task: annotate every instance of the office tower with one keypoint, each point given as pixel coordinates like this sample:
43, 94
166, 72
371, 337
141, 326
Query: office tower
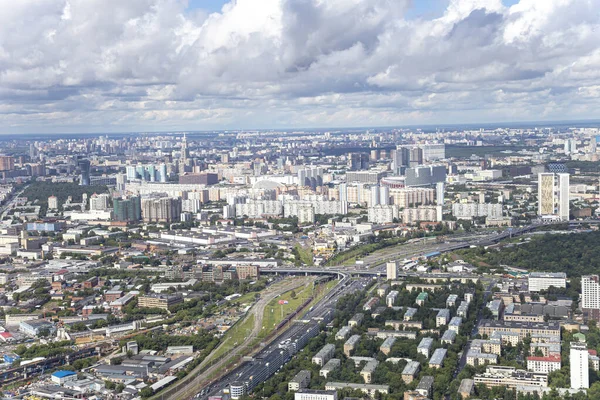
183, 159
593, 144
121, 182
384, 195
32, 151
400, 160
128, 209
579, 364
162, 173
374, 196
84, 169
553, 195
358, 161
570, 146
416, 156
392, 269
439, 193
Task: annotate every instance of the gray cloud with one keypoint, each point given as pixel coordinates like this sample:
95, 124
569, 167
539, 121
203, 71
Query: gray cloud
102, 65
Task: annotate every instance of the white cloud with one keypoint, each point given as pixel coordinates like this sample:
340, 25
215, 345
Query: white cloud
94, 65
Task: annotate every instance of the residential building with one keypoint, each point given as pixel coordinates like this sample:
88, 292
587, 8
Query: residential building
437, 359
350, 344
410, 371
579, 366
324, 355
424, 346
368, 389
545, 364
300, 381
330, 366
553, 196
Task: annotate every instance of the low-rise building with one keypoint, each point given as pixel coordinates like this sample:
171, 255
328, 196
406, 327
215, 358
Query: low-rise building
476, 358
368, 370
324, 355
306, 394
443, 317
410, 371
386, 346
164, 302
544, 364
368, 389
350, 344
510, 377
300, 381
356, 320
437, 359
330, 366
424, 346
454, 324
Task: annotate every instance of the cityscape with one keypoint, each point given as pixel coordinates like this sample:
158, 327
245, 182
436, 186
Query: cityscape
300, 200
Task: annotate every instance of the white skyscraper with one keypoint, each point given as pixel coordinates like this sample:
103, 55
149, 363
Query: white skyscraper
375, 199
553, 195
563, 196
392, 269
384, 195
579, 363
590, 296
439, 193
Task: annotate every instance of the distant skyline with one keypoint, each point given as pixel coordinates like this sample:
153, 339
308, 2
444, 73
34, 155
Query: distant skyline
87, 66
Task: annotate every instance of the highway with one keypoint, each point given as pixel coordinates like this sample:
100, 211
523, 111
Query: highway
328, 302
188, 387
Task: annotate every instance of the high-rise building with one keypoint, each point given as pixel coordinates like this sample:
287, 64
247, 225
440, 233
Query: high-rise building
553, 195
570, 146
7, 163
84, 170
52, 203
311, 177
579, 364
416, 156
439, 193
99, 202
375, 199
127, 209
358, 161
384, 195
425, 175
392, 269
590, 296
163, 209
400, 160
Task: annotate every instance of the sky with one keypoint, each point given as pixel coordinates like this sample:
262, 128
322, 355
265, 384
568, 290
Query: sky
86, 66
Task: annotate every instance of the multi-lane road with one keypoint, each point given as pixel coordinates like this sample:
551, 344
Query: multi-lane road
345, 286
190, 386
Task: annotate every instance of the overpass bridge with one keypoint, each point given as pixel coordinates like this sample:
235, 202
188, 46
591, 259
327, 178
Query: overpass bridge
341, 271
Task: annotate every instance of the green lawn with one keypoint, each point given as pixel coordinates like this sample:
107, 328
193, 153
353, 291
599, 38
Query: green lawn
273, 312
234, 337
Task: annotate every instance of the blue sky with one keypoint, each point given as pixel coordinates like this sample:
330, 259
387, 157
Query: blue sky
421, 8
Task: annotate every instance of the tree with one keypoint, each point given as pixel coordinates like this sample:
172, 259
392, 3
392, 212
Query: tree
146, 392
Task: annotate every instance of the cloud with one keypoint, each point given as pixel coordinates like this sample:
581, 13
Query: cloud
104, 65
